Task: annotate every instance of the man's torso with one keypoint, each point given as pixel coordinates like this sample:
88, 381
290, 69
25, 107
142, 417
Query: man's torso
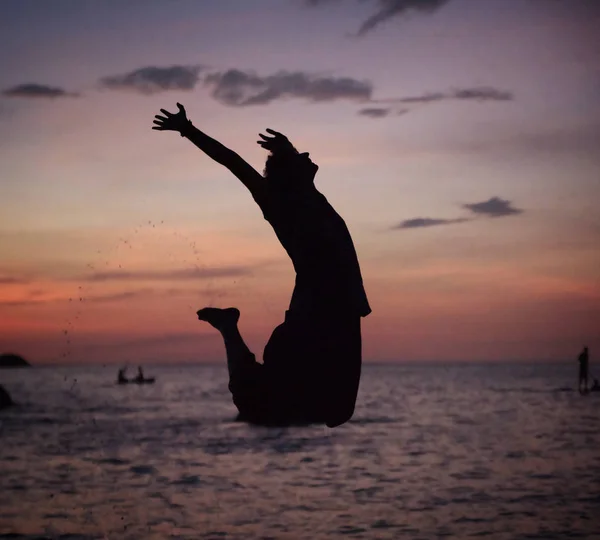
321, 249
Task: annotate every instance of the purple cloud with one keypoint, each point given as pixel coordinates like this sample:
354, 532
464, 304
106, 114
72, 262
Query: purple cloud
417, 223
154, 79
37, 91
238, 88
494, 207
375, 112
389, 9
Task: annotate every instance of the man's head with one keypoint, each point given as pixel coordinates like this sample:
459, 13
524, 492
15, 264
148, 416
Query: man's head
285, 164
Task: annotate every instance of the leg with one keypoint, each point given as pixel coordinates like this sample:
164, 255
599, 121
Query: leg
226, 322
289, 361
339, 368
247, 382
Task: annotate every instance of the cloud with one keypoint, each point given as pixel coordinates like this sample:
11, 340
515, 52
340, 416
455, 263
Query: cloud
14, 303
425, 98
375, 112
36, 298
33, 90
168, 275
125, 295
494, 207
239, 88
162, 339
482, 93
153, 79
8, 280
417, 223
389, 9
210, 291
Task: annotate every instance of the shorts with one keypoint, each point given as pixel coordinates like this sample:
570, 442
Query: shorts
310, 373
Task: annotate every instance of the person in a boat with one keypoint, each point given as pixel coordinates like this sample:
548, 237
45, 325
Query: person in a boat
312, 362
140, 376
121, 377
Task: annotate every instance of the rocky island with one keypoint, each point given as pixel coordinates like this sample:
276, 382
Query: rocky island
10, 360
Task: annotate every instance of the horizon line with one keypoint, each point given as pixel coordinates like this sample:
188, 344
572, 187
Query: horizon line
183, 363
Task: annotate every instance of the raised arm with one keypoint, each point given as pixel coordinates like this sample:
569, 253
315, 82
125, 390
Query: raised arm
179, 122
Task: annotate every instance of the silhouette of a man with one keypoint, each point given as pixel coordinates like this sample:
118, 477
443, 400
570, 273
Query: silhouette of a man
583, 370
312, 362
5, 399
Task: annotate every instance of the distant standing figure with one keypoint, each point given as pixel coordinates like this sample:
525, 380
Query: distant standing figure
583, 370
312, 362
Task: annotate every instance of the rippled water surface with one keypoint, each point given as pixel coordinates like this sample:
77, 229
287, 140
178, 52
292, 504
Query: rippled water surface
497, 451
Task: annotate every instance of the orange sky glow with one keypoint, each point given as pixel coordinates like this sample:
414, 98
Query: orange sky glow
469, 184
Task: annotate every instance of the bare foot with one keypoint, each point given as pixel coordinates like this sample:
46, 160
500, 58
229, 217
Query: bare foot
219, 318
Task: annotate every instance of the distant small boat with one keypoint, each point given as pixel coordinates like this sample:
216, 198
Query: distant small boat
149, 380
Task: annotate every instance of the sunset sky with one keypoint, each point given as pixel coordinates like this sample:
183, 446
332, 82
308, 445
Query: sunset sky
459, 139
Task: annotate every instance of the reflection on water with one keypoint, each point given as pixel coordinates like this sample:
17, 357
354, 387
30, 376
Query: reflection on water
459, 451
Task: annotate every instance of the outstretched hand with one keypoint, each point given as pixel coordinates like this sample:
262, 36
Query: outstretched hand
170, 121
275, 143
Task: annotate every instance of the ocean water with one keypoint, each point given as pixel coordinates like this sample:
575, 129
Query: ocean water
433, 451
